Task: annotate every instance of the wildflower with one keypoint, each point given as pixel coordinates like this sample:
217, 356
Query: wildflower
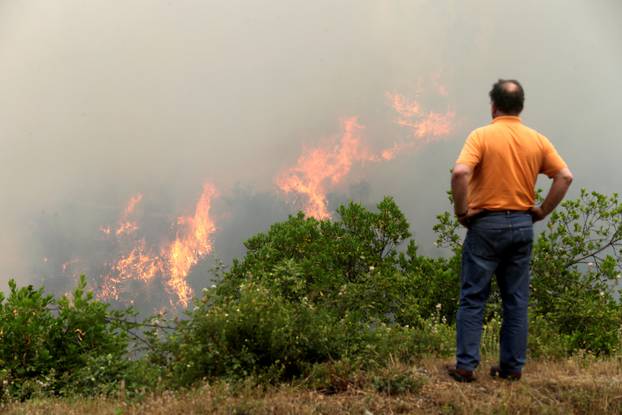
439, 306
371, 268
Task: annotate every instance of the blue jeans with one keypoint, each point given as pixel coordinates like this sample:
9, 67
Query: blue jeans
496, 243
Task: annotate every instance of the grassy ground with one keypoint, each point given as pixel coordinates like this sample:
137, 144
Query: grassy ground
578, 385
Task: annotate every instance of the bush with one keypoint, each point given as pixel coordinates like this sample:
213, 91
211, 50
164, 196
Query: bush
256, 333
310, 292
320, 302
47, 344
328, 262
576, 272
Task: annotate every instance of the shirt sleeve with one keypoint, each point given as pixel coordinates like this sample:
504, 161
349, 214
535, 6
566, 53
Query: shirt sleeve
552, 162
471, 153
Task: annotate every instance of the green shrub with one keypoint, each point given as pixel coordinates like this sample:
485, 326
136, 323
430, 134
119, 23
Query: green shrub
576, 272
47, 345
576, 268
345, 266
321, 302
257, 333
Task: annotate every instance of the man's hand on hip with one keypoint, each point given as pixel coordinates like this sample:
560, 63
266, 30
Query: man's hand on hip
537, 213
466, 218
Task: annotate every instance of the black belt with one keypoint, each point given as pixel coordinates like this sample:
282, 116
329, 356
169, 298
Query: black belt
487, 212
506, 211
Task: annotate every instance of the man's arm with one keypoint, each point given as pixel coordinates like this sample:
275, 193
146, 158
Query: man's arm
459, 189
561, 183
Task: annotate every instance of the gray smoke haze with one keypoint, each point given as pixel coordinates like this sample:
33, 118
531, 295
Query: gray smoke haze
100, 100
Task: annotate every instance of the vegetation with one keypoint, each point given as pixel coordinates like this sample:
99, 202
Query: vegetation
577, 385
325, 306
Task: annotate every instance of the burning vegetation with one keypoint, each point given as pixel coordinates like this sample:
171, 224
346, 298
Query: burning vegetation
171, 262
145, 265
321, 168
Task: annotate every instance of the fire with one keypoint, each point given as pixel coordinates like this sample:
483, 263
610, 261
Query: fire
422, 124
127, 226
190, 245
131, 205
172, 262
138, 264
319, 167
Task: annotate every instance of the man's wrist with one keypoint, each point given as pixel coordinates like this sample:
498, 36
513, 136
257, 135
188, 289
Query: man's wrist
461, 214
544, 209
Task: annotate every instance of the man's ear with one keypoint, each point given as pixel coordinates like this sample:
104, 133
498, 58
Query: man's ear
493, 110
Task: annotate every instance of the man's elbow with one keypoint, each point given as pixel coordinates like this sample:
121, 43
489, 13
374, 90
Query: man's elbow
566, 176
460, 171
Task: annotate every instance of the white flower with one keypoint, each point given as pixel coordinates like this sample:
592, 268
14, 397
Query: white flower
618, 276
371, 268
439, 306
602, 293
590, 264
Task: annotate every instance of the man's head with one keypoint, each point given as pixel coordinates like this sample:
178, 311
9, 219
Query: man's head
507, 97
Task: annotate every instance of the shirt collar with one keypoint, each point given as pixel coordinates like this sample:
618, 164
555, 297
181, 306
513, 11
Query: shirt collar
506, 118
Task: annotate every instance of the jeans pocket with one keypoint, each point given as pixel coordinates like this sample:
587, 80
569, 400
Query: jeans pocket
484, 242
523, 239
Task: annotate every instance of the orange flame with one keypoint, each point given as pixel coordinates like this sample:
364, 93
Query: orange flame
138, 264
321, 166
131, 205
191, 245
422, 125
126, 226
324, 166
175, 259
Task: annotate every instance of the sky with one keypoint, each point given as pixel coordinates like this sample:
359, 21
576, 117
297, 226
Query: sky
102, 100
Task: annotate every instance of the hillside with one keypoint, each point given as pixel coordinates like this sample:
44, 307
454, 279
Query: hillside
580, 385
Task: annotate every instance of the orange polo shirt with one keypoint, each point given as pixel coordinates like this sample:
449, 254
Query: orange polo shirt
506, 157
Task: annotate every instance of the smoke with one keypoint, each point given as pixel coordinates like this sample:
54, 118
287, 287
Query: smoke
103, 100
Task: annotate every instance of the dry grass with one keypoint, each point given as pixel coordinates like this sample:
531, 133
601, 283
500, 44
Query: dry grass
579, 385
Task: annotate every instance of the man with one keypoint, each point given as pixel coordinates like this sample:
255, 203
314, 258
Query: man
493, 184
